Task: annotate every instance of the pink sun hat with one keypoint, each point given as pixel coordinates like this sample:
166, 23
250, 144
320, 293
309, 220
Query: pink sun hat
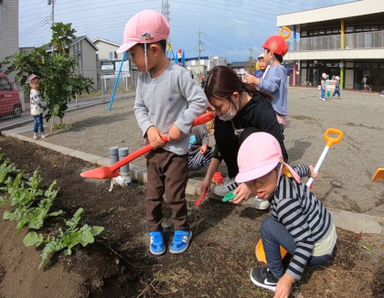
258, 155
31, 77
146, 26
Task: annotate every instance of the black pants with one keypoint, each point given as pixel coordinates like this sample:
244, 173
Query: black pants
228, 144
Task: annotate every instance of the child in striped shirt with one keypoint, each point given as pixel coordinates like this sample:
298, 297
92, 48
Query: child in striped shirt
299, 221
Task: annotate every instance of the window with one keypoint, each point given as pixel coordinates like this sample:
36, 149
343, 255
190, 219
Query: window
110, 55
4, 85
349, 29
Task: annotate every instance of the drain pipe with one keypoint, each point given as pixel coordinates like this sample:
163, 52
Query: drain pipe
124, 178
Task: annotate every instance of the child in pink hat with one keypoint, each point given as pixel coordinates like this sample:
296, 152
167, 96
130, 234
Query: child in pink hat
299, 221
166, 103
37, 106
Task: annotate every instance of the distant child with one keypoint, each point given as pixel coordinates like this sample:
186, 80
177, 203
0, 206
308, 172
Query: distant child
167, 101
275, 80
337, 87
323, 86
37, 105
299, 221
200, 153
262, 67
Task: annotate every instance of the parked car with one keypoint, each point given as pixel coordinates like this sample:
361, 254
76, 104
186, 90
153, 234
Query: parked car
10, 104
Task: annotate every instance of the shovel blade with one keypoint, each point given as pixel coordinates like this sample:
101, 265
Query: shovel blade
379, 174
100, 173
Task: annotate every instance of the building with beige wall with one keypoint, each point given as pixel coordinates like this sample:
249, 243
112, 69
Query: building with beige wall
9, 29
106, 49
345, 40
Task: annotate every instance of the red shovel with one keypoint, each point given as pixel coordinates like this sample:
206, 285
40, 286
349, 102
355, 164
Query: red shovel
113, 170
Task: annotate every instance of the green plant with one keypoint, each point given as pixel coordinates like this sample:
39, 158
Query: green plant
65, 240
5, 170
23, 197
59, 81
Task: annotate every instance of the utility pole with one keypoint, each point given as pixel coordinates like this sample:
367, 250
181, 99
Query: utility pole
250, 52
165, 8
200, 44
52, 2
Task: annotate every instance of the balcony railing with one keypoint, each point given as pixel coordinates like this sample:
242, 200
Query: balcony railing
363, 40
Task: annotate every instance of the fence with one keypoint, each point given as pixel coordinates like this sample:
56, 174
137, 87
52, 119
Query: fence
13, 100
362, 40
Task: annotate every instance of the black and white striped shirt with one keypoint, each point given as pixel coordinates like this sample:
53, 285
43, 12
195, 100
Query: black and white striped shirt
304, 216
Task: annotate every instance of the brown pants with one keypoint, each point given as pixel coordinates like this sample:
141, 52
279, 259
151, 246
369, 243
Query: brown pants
167, 173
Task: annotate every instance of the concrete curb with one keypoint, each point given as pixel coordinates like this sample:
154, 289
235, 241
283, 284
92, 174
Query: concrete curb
354, 222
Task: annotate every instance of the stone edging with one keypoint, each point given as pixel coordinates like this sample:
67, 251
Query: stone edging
354, 222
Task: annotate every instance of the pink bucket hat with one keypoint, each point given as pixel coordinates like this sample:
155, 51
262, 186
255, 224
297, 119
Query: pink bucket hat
259, 154
31, 77
146, 26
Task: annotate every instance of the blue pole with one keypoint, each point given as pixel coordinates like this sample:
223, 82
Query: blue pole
117, 80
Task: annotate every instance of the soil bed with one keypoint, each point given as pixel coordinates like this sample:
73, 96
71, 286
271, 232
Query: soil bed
217, 264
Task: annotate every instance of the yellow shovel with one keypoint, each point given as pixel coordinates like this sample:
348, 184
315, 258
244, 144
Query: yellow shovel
379, 174
260, 254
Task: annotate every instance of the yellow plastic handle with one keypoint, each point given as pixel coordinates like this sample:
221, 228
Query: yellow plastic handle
260, 254
287, 34
332, 140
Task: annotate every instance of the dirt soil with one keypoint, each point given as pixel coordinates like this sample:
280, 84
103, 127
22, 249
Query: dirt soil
118, 264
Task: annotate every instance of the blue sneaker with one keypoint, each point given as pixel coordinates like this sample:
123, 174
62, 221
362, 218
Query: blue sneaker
157, 246
180, 241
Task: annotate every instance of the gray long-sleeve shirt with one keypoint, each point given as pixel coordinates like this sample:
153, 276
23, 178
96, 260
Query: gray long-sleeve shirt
275, 83
171, 98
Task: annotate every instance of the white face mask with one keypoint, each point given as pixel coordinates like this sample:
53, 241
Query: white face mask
229, 115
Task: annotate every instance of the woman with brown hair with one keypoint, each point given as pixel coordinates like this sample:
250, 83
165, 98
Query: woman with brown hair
239, 108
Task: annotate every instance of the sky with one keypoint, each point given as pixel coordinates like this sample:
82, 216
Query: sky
233, 29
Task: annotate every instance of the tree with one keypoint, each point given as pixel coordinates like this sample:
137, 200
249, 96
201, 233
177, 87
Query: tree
59, 82
251, 66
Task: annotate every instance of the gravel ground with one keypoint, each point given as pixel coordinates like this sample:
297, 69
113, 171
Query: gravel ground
345, 176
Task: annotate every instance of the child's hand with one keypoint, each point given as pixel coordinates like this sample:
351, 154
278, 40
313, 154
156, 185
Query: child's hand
174, 133
155, 137
203, 149
313, 174
205, 186
250, 79
242, 192
283, 287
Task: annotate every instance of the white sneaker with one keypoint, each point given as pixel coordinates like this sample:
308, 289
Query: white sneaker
323, 99
43, 135
227, 186
257, 203
35, 136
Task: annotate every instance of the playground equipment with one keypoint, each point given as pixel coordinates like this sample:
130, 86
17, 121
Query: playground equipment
113, 170
117, 80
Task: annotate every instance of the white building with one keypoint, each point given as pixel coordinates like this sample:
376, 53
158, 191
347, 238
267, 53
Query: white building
9, 29
345, 40
106, 49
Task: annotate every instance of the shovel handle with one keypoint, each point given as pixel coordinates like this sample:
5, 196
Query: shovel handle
331, 140
208, 116
198, 202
